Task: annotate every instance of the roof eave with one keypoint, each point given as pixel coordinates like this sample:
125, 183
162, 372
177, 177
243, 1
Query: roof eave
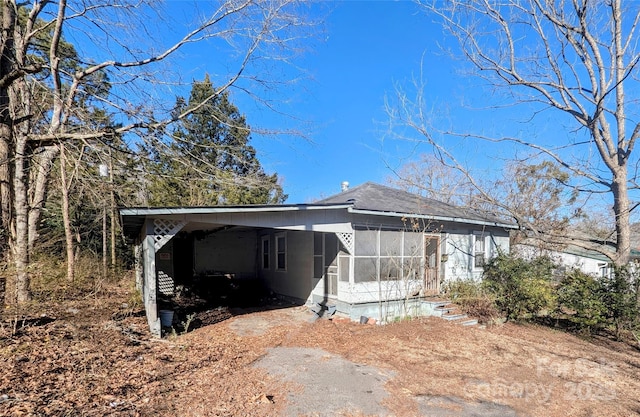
167, 211
431, 217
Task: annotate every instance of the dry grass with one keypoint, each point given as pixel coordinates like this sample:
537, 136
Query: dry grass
91, 356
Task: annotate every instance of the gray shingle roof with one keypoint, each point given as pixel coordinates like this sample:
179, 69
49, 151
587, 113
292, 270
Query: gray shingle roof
375, 197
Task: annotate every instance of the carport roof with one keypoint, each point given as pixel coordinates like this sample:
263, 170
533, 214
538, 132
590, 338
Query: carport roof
133, 218
368, 199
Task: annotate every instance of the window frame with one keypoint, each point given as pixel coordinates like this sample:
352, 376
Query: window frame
479, 256
318, 257
281, 251
396, 254
266, 255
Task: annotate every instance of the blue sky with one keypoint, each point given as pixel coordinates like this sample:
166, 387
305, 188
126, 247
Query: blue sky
366, 51
369, 48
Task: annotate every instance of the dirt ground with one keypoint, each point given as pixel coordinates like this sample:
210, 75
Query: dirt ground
92, 356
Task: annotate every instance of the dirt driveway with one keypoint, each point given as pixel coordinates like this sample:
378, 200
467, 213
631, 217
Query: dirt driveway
431, 367
94, 358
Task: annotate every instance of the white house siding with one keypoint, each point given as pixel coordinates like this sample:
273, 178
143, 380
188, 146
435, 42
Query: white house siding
365, 292
227, 251
460, 252
595, 265
295, 280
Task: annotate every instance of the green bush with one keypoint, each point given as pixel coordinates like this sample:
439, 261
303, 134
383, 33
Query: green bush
580, 297
620, 297
522, 288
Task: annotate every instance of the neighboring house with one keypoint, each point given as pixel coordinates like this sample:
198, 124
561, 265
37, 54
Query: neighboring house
587, 261
369, 250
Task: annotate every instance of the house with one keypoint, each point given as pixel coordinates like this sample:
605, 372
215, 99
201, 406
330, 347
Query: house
570, 257
370, 250
574, 257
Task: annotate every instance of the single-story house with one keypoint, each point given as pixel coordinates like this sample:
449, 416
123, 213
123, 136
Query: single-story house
573, 257
369, 250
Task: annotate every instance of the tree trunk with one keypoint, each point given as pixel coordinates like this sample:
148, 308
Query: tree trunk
68, 233
104, 242
621, 210
39, 194
5, 178
19, 243
112, 214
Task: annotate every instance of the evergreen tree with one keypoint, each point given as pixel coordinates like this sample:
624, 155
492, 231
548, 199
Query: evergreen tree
208, 160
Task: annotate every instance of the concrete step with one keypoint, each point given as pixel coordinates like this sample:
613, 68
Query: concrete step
436, 303
446, 309
454, 316
470, 322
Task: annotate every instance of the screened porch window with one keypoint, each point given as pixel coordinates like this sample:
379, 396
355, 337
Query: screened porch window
387, 255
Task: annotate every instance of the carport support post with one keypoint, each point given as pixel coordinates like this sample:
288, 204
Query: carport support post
139, 266
150, 281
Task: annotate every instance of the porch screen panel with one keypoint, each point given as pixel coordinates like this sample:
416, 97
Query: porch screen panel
390, 243
390, 255
365, 261
366, 243
390, 268
413, 244
365, 269
331, 249
344, 262
318, 267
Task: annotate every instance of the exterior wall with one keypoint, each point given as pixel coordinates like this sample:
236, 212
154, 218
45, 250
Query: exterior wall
295, 280
227, 251
589, 265
366, 292
458, 252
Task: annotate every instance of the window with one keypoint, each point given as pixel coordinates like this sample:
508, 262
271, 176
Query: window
479, 251
318, 258
281, 252
265, 252
387, 255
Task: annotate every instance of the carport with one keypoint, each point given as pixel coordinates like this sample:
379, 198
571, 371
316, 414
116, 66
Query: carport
272, 244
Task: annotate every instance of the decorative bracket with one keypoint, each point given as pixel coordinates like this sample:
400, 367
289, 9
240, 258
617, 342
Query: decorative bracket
164, 230
346, 239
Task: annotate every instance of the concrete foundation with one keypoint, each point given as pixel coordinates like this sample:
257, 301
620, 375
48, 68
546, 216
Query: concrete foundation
385, 311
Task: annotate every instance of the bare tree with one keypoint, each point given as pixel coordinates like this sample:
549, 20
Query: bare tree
577, 58
433, 178
50, 86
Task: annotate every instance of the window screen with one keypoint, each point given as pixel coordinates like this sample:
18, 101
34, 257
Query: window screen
365, 269
366, 243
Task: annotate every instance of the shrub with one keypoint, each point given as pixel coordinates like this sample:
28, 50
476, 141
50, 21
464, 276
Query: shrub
460, 289
522, 288
473, 299
620, 297
580, 295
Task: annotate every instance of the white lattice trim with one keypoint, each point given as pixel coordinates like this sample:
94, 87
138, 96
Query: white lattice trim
164, 230
346, 239
165, 284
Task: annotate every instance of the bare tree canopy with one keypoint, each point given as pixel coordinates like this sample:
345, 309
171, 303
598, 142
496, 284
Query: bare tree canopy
91, 72
577, 59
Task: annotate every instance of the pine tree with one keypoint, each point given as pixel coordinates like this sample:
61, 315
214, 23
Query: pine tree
208, 159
